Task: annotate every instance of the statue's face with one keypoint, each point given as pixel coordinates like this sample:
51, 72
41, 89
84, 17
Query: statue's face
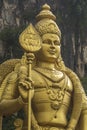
50, 48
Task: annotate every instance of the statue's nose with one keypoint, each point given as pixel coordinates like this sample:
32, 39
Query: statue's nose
52, 45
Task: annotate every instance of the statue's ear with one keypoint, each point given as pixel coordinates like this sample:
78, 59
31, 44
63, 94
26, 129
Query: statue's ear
60, 63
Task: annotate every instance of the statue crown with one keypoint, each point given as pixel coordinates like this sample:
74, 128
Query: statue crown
46, 22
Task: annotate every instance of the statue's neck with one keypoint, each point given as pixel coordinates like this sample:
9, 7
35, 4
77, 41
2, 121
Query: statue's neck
46, 65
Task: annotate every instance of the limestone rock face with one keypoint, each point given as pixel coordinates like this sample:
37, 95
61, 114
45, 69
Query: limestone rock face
85, 54
2, 49
12, 10
10, 13
18, 12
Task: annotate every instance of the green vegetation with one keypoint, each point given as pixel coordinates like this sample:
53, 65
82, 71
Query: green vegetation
8, 122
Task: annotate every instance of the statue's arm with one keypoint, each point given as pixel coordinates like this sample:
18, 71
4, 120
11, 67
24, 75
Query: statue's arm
79, 111
11, 101
82, 122
83, 117
9, 106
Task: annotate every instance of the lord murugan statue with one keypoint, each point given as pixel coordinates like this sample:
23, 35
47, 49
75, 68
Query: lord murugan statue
50, 94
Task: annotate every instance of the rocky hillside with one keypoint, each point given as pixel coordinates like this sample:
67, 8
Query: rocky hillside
17, 12
13, 11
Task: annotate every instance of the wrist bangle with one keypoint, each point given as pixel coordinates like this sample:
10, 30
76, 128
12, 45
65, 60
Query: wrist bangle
20, 101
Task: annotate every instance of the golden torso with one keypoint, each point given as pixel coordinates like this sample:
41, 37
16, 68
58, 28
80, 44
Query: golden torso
52, 97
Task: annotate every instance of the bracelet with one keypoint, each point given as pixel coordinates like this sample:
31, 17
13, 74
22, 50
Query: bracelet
20, 101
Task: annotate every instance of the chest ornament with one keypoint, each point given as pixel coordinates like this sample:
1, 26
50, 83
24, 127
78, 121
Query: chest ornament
56, 95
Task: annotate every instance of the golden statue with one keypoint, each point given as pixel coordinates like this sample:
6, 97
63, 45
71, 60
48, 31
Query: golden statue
50, 94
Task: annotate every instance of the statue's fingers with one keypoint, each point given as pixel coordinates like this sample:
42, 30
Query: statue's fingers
29, 79
28, 85
24, 85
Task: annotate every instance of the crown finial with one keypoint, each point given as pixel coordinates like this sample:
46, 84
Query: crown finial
46, 7
45, 13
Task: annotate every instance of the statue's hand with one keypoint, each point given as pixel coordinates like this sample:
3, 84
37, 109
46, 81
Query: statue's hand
24, 87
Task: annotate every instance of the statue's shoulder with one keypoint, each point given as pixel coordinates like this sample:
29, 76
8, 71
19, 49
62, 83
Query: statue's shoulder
74, 79
36, 75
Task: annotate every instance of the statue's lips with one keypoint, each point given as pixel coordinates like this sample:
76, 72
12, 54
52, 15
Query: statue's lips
52, 51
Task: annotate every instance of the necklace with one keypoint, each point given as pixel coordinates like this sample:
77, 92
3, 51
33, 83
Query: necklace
56, 96
52, 75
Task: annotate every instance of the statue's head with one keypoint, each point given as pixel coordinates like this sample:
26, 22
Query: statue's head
50, 34
45, 35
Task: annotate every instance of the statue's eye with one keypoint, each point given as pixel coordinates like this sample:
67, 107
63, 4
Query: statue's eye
56, 43
47, 41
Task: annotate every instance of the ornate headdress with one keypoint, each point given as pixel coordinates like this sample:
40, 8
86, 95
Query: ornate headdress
46, 22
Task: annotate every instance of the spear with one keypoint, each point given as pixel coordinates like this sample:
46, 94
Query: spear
30, 41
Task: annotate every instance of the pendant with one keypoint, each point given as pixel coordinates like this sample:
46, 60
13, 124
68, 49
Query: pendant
55, 105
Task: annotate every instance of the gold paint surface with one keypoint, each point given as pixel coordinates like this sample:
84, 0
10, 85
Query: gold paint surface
57, 100
30, 40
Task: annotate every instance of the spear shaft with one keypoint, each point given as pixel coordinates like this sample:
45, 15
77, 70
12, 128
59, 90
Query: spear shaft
30, 41
29, 100
30, 57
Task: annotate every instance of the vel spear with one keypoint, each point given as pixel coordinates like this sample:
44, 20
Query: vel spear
30, 41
